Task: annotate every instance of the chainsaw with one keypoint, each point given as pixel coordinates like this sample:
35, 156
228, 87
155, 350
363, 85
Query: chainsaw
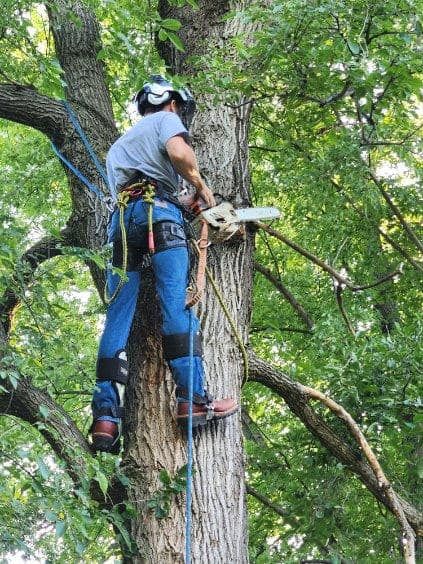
217, 225
225, 221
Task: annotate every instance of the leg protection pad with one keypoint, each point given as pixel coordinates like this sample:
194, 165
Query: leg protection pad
168, 235
134, 257
177, 345
112, 369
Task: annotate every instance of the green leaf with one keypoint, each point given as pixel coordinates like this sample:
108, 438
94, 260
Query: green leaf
163, 34
60, 528
43, 469
44, 410
102, 480
124, 480
123, 531
406, 38
173, 25
353, 47
176, 41
164, 477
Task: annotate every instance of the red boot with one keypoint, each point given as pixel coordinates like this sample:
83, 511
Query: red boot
208, 410
105, 436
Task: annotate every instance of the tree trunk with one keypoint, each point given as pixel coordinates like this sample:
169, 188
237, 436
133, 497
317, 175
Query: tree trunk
153, 441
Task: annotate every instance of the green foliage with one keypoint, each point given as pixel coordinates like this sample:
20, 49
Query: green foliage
163, 497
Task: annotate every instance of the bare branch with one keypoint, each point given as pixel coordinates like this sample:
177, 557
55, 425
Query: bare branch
339, 301
411, 235
305, 253
301, 312
297, 398
23, 104
347, 90
384, 485
323, 265
268, 503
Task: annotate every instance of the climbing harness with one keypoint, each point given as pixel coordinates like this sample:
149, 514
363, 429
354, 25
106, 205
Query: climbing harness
146, 190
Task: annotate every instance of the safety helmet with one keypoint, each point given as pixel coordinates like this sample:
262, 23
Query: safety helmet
160, 91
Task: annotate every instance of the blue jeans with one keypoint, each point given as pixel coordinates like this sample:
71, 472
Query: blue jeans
171, 268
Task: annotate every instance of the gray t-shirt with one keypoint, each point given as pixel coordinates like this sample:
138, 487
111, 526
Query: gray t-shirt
143, 148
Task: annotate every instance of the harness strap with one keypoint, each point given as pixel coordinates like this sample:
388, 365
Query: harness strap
177, 345
123, 199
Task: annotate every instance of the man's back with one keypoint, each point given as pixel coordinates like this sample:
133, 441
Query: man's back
143, 148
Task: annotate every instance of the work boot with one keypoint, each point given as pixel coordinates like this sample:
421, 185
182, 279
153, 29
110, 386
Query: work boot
105, 436
208, 410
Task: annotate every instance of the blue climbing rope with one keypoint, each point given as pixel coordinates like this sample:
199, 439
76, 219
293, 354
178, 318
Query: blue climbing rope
100, 169
78, 173
84, 139
189, 464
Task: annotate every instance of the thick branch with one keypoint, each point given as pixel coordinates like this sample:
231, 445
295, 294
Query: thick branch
301, 312
296, 397
77, 45
57, 427
25, 105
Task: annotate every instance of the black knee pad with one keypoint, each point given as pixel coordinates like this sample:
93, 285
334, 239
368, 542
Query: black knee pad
168, 235
134, 256
113, 369
177, 345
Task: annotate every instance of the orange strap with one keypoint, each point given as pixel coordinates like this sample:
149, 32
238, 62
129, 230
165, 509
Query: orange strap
200, 283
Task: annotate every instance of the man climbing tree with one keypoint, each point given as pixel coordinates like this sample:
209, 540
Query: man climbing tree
143, 167
325, 96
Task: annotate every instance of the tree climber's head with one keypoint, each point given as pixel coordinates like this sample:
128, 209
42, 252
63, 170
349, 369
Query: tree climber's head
160, 94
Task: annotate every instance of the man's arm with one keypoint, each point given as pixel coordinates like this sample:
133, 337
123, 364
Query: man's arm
184, 160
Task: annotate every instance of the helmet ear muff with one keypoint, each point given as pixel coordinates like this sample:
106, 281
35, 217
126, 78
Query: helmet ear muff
160, 91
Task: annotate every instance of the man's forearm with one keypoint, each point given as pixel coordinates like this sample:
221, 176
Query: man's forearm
185, 163
183, 159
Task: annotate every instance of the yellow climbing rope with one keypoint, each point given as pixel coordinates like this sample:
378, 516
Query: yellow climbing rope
228, 316
148, 197
148, 191
122, 202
